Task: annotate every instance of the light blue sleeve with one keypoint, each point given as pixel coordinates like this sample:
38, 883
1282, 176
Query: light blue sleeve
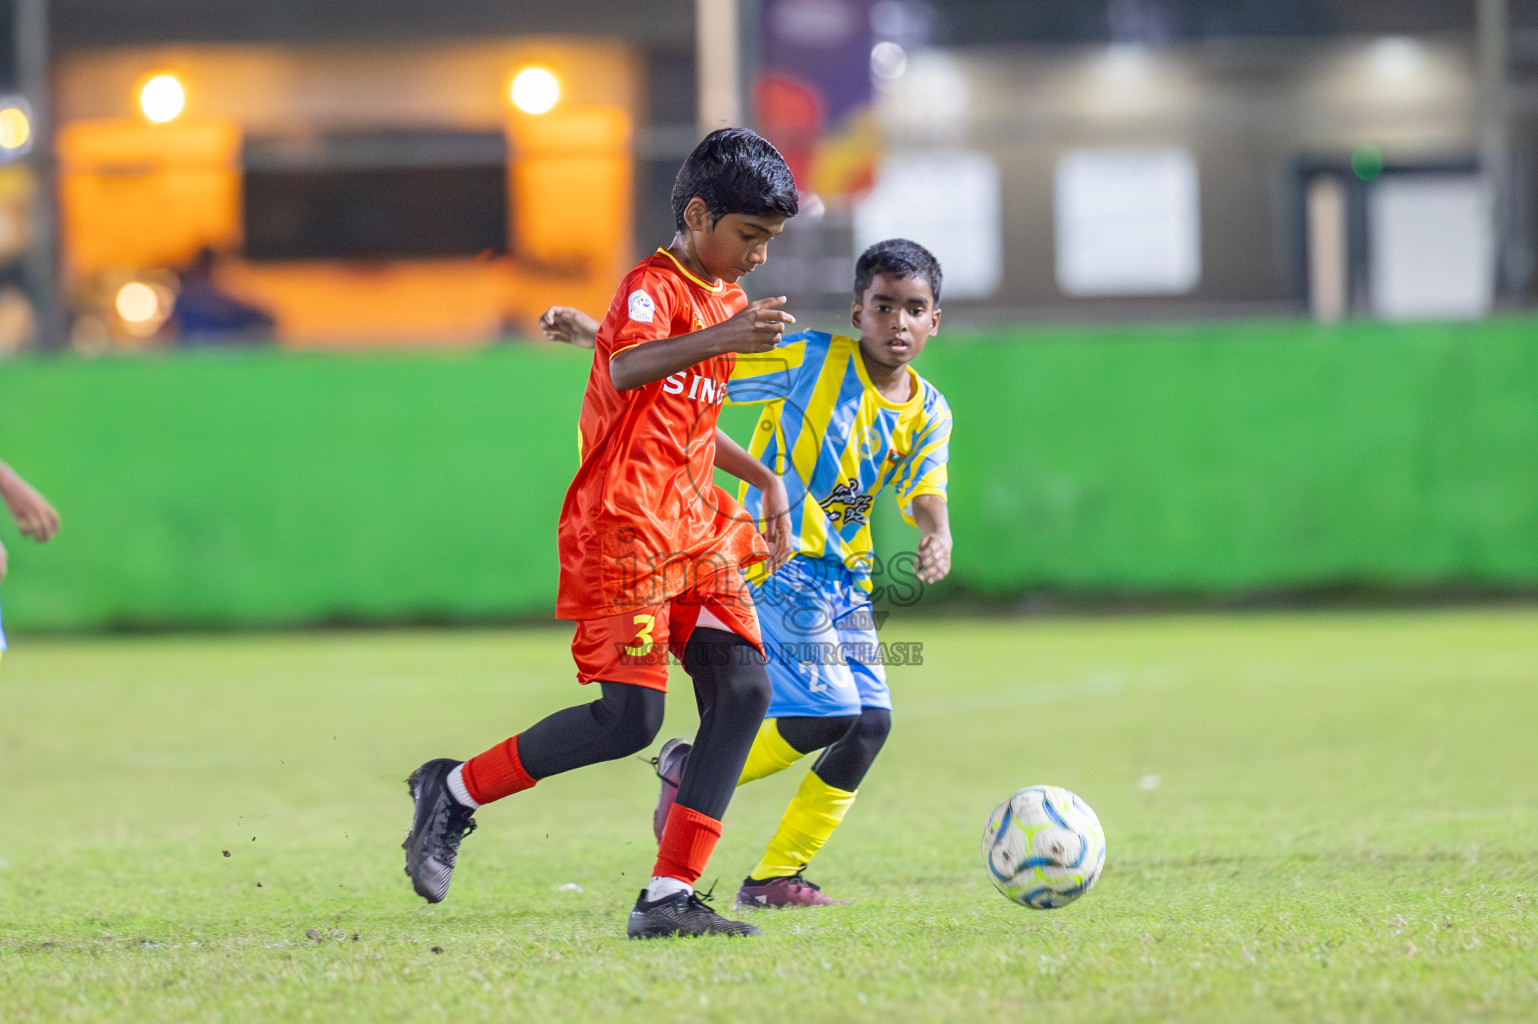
768, 376
926, 471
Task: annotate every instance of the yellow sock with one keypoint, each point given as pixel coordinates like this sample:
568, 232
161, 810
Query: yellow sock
770, 753
813, 814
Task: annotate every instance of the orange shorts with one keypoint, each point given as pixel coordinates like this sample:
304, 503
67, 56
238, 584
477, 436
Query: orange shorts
633, 646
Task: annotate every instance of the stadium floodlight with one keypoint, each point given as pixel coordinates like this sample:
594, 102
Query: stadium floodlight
888, 60
535, 90
15, 128
1397, 58
162, 98
137, 303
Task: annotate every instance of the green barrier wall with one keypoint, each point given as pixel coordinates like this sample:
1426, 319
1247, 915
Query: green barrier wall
1233, 459
270, 488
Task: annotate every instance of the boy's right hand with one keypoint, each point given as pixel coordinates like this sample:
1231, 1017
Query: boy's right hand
758, 328
33, 514
574, 327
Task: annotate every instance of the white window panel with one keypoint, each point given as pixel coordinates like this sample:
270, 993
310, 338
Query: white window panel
1430, 253
948, 202
1128, 222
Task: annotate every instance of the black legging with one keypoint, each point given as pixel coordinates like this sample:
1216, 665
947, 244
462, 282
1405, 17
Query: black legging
852, 744
731, 689
622, 722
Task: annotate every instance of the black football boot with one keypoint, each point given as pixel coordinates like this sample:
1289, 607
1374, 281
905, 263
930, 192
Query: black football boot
681, 913
437, 826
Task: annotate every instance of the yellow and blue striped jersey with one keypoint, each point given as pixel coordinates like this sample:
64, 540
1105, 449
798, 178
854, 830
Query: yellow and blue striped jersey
837, 442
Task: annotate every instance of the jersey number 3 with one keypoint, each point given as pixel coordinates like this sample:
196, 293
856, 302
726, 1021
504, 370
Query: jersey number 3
643, 636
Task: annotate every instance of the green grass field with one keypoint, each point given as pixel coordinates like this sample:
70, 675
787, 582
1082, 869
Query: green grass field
1344, 829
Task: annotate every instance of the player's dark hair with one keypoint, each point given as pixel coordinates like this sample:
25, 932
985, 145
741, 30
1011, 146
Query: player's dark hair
900, 258
735, 170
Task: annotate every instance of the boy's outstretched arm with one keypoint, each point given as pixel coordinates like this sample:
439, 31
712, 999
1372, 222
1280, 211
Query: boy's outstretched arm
33, 514
574, 327
734, 459
758, 328
934, 519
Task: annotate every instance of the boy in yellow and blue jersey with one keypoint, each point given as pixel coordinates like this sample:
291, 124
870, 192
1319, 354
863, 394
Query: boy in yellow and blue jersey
843, 419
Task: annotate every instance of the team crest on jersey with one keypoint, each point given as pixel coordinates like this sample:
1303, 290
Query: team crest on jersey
642, 307
847, 505
699, 322
870, 442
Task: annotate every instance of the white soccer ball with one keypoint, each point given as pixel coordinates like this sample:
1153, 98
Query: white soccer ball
1043, 847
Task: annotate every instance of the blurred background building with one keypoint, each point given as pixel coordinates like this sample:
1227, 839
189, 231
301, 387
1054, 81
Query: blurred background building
387, 173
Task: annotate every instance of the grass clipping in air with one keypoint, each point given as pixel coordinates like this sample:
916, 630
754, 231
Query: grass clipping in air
1322, 817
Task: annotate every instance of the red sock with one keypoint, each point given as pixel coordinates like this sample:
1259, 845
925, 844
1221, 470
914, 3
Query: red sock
496, 773
688, 839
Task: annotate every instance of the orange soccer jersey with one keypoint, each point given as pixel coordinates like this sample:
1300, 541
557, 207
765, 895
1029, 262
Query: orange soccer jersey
643, 521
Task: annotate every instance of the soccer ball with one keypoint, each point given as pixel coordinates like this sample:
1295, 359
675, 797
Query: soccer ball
1043, 847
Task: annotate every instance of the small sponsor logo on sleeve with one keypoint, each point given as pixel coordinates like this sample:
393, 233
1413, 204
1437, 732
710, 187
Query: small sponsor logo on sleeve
642, 307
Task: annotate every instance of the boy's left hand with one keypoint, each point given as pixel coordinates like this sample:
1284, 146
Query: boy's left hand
777, 523
934, 556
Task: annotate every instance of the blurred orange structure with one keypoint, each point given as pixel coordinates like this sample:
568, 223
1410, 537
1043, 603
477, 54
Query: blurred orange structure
139, 197
135, 194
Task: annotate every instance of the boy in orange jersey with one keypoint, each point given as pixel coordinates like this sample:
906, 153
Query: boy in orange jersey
652, 552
